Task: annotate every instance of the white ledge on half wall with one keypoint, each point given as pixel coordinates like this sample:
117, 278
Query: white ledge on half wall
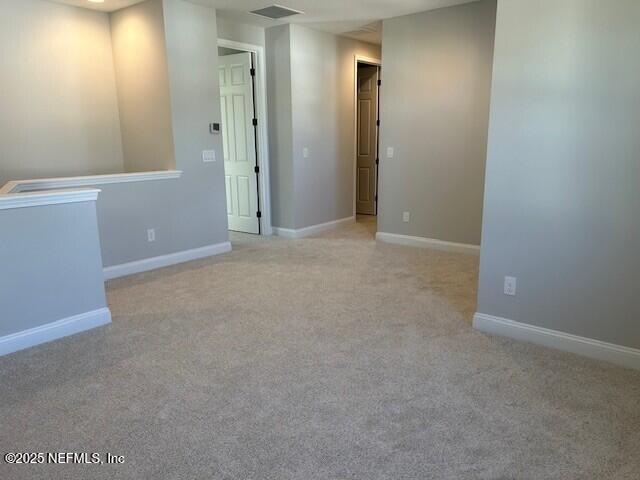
36, 199
18, 186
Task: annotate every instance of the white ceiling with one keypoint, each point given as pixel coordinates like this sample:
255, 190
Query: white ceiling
107, 6
354, 18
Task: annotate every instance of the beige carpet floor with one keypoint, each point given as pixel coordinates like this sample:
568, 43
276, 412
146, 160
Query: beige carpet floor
323, 358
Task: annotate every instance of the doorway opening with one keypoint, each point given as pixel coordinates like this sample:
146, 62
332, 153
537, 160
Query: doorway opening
244, 137
367, 135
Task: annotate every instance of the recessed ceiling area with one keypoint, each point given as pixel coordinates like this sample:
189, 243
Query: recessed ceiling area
360, 19
106, 6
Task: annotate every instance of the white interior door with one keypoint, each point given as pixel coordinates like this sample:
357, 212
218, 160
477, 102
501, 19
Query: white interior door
366, 180
238, 138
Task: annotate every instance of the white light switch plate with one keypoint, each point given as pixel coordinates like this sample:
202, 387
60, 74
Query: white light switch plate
208, 156
390, 152
406, 217
510, 284
305, 152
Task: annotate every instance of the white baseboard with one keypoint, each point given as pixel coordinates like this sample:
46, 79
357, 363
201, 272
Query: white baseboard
609, 352
423, 242
147, 264
313, 229
53, 331
284, 232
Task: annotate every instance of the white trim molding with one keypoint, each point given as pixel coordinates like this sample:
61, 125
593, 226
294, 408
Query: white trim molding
53, 331
432, 243
147, 264
18, 186
284, 232
262, 138
608, 352
313, 229
38, 199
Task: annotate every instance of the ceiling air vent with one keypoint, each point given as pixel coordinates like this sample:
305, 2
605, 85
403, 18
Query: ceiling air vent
275, 12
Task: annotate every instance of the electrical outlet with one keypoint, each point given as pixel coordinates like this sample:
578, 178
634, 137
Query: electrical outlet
390, 152
208, 156
510, 284
305, 152
151, 235
406, 217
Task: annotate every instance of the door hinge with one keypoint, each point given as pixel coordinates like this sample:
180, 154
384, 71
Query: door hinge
377, 161
255, 122
256, 169
252, 71
376, 197
379, 82
259, 214
378, 123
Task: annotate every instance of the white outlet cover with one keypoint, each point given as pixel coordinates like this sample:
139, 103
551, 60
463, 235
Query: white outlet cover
406, 217
208, 156
510, 285
151, 235
390, 152
305, 152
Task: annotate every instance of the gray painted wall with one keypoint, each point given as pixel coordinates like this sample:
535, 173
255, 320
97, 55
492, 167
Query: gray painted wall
310, 80
201, 205
435, 114
51, 267
278, 53
240, 32
323, 110
562, 196
189, 212
140, 61
59, 112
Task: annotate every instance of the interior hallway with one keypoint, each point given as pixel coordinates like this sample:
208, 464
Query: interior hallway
319, 358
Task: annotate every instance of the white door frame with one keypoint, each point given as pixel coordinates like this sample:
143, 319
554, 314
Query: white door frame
369, 61
262, 139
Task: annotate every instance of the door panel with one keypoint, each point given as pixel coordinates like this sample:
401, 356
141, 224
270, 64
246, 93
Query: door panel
238, 140
240, 124
363, 178
225, 131
364, 127
227, 182
244, 196
367, 141
237, 74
